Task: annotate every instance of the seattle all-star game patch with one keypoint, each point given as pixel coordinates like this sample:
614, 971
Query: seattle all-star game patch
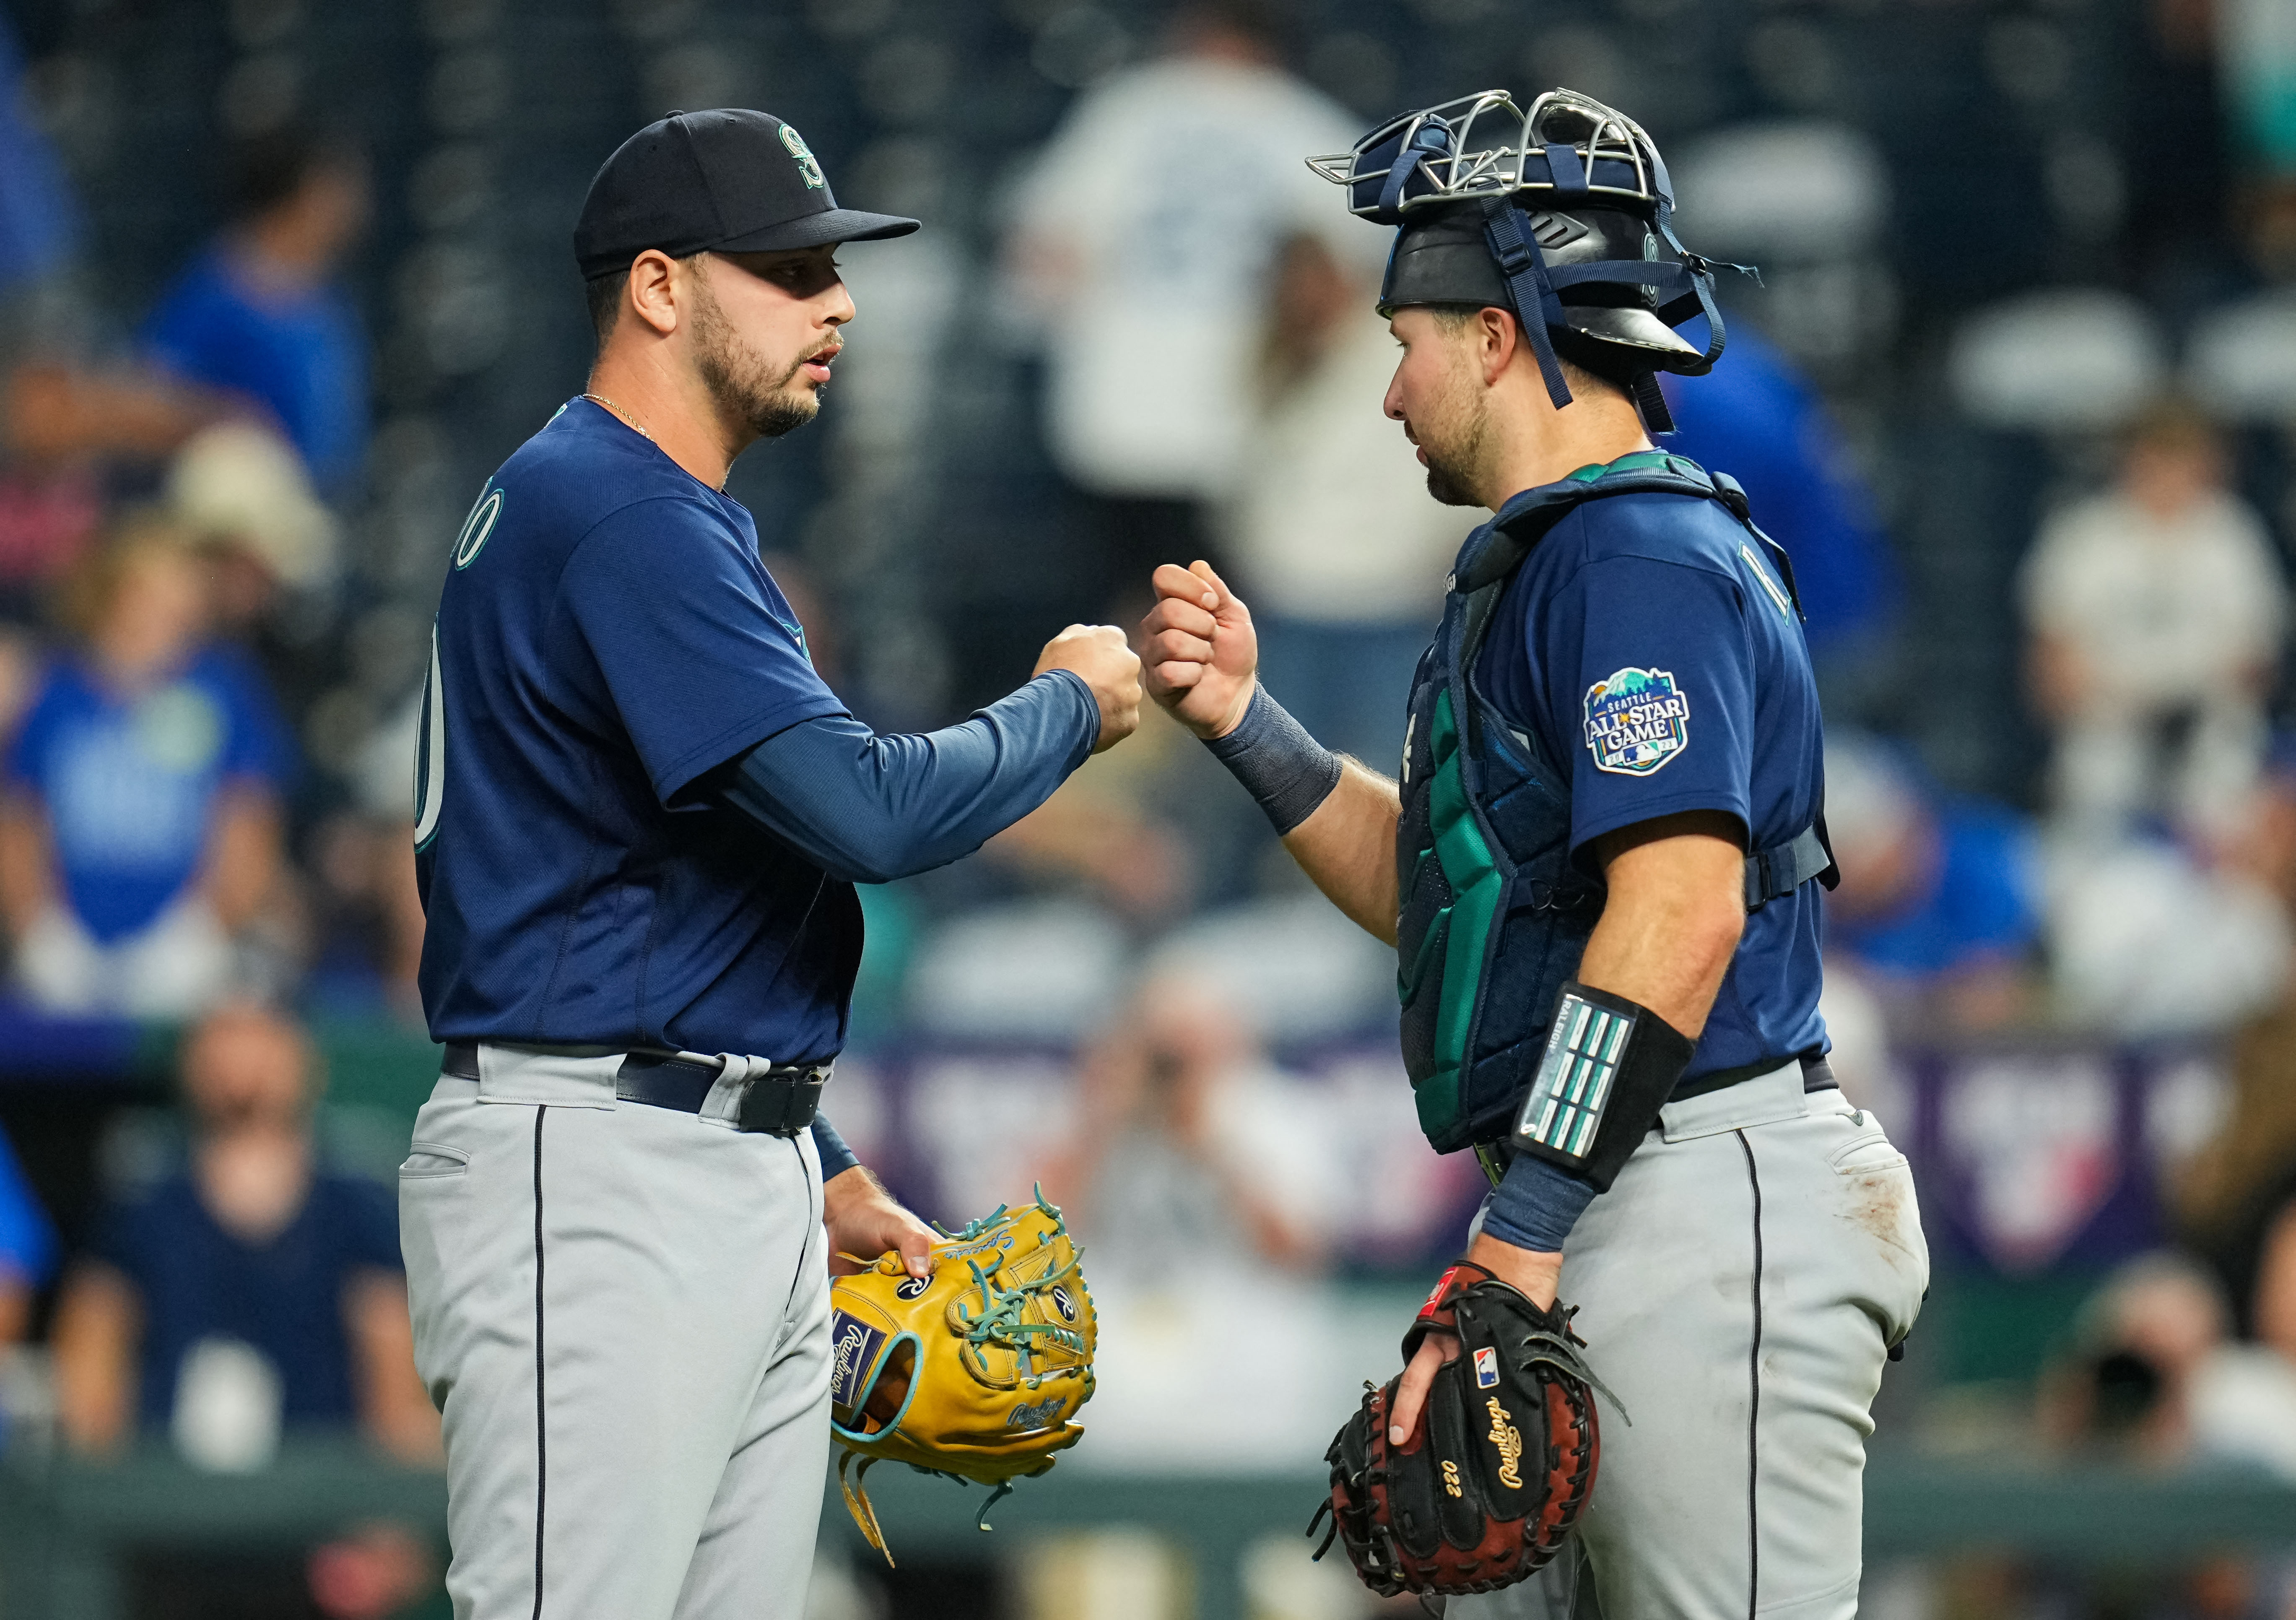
1637, 720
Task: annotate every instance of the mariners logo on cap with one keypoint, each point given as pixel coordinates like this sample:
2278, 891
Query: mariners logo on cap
1637, 720
809, 169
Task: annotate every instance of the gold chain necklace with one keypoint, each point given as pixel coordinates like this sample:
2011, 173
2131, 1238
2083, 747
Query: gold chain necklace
618, 411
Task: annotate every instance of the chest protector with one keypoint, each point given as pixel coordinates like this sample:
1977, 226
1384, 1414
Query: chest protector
1483, 849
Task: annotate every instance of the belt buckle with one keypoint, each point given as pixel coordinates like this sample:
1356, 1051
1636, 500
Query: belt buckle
779, 1104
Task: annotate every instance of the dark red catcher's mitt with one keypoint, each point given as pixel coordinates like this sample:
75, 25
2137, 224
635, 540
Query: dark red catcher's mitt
1501, 1464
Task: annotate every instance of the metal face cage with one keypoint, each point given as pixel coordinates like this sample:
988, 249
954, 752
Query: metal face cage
1485, 145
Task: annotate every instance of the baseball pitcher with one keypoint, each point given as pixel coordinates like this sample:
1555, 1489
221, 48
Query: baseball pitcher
641, 815
1601, 868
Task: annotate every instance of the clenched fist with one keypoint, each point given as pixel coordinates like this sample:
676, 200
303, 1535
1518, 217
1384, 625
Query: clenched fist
1098, 653
1202, 652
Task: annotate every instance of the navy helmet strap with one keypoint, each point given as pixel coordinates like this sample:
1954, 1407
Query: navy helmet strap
1428, 141
1568, 174
1630, 272
1700, 272
1535, 286
1536, 306
1391, 193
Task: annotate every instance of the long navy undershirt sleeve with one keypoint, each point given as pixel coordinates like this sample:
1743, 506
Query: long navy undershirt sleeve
870, 808
836, 1157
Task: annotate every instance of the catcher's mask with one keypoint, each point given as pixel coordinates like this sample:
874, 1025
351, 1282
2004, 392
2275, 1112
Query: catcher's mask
1557, 215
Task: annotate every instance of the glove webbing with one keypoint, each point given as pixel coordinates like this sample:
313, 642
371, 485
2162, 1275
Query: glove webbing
865, 1513
999, 1321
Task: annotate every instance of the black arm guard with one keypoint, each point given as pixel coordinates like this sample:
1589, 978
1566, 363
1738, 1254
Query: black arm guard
1610, 1063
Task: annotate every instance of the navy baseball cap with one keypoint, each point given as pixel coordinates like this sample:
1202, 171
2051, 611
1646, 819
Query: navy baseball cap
728, 180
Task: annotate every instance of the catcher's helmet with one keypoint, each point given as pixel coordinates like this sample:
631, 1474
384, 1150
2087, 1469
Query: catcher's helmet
1558, 214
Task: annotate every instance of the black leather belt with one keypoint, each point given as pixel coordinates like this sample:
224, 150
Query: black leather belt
779, 1102
1817, 1075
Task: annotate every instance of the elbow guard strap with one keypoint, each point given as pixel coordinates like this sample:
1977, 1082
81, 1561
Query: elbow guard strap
1609, 1066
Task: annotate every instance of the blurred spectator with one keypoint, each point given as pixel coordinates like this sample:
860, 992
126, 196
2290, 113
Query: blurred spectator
1193, 1152
59, 419
1857, 1031
1096, 832
141, 830
2149, 938
1202, 1182
239, 490
1334, 540
61, 425
2156, 936
2156, 611
253, 1289
1756, 419
1936, 909
55, 415
2153, 1377
258, 314
2275, 1304
28, 1248
39, 220
1144, 237
367, 922
2235, 1199
2258, 44
267, 548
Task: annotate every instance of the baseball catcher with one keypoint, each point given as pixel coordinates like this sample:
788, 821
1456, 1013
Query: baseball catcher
974, 1372
1601, 869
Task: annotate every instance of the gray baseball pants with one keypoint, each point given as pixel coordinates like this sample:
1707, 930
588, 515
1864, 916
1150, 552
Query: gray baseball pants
1738, 1287
622, 1313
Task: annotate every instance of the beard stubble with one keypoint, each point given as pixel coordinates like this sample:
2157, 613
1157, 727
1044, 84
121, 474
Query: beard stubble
741, 381
1453, 443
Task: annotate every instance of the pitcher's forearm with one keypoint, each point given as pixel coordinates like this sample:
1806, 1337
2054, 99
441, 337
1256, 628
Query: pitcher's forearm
1348, 847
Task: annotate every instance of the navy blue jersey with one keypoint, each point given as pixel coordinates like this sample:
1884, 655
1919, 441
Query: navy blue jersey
1658, 657
606, 638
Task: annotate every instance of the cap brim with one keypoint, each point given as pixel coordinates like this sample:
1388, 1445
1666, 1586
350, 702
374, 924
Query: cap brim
818, 230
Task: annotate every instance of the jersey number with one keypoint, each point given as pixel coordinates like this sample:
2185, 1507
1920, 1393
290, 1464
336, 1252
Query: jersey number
430, 753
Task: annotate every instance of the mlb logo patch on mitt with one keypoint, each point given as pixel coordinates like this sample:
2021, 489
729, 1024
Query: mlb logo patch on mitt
974, 1373
1501, 1464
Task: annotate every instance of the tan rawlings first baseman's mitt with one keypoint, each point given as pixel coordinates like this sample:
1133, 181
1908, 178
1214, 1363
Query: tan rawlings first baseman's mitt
973, 1373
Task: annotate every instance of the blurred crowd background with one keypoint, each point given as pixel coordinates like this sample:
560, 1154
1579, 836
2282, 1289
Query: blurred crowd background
281, 283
